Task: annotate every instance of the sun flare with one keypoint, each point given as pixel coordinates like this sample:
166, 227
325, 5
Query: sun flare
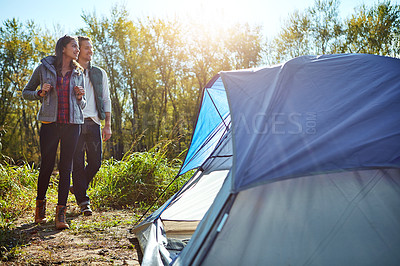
223, 12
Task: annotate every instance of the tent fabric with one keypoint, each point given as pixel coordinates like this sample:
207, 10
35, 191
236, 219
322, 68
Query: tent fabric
153, 241
188, 204
308, 155
198, 194
350, 218
210, 126
189, 253
222, 156
309, 127
314, 114
152, 235
193, 204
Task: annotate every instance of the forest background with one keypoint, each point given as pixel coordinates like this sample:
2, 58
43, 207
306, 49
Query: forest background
157, 67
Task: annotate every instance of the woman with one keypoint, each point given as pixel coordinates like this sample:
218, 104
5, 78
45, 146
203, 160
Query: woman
62, 96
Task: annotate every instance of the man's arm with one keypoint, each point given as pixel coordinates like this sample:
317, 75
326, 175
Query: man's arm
106, 132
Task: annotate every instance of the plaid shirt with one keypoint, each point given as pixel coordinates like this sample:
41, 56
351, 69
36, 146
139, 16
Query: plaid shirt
63, 98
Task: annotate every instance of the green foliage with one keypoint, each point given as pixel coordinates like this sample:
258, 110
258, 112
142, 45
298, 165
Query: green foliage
293, 40
374, 30
10, 243
21, 46
244, 45
318, 30
137, 180
17, 191
157, 67
326, 27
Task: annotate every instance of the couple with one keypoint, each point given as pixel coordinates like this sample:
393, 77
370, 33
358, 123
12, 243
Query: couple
74, 98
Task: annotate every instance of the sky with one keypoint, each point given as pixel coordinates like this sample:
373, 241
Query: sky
66, 15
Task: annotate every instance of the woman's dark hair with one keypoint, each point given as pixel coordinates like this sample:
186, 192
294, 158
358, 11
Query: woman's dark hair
61, 44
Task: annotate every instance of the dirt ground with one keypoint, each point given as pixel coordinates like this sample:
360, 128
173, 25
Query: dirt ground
101, 239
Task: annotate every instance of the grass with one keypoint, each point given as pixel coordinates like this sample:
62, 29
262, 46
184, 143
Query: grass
17, 197
88, 226
133, 183
17, 191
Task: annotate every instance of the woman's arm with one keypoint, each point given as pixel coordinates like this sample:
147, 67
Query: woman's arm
29, 92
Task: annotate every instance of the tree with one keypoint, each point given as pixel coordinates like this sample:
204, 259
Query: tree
373, 30
243, 44
317, 30
21, 47
157, 67
325, 26
105, 34
206, 58
294, 38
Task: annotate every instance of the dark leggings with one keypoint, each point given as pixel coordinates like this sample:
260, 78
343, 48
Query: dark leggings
50, 136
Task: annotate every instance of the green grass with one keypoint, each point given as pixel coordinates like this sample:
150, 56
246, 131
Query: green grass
17, 191
135, 182
17, 196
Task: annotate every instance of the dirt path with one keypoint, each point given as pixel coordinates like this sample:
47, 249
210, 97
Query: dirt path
101, 239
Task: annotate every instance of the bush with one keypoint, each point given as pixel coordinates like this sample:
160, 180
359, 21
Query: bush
136, 181
17, 191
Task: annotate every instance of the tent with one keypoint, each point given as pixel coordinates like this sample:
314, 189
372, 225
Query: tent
164, 233
303, 169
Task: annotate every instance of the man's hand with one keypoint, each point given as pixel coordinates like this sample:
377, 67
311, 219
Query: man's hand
106, 132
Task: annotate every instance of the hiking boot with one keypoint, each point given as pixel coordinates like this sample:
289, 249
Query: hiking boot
61, 222
40, 211
85, 210
71, 189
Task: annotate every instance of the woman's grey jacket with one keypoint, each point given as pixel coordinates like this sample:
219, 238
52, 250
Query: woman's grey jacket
46, 73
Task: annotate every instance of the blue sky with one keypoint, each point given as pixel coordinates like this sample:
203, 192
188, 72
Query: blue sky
67, 14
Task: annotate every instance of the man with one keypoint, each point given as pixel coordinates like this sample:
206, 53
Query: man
98, 108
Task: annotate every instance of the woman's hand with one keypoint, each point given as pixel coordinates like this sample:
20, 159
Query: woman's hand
45, 88
79, 92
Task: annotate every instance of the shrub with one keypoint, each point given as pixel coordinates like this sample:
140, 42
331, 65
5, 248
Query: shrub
17, 191
136, 181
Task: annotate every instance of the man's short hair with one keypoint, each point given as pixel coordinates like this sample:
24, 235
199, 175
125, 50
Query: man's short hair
83, 38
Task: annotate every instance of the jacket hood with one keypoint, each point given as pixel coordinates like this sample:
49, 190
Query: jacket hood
48, 62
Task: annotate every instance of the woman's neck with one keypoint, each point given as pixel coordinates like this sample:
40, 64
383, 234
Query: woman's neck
66, 66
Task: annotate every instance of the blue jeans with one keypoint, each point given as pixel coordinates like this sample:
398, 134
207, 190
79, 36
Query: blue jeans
89, 143
50, 136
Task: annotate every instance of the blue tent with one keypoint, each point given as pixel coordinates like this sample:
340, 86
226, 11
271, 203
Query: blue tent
212, 124
307, 169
